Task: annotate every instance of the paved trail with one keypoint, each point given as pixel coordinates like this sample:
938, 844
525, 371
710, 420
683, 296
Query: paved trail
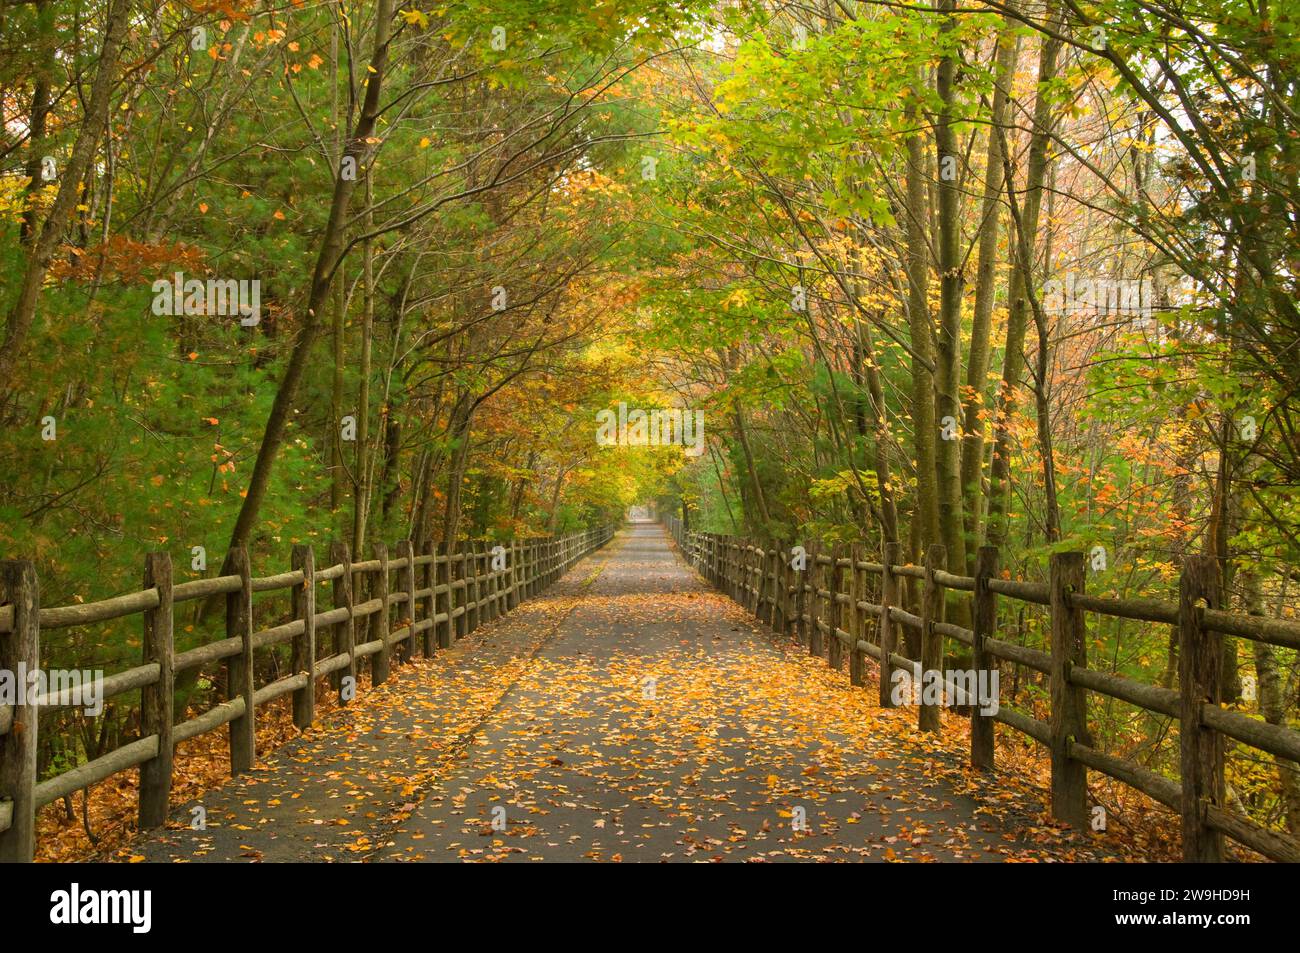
629, 713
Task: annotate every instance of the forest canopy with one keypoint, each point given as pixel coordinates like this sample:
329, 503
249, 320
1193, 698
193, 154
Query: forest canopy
1016, 274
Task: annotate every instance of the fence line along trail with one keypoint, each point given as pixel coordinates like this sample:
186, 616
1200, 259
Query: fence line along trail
650, 430
630, 712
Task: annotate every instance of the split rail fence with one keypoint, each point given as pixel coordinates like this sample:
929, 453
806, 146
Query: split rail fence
827, 604
427, 600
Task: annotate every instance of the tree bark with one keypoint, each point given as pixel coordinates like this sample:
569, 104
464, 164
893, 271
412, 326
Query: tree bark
18, 322
328, 258
926, 511
974, 425
1018, 317
948, 351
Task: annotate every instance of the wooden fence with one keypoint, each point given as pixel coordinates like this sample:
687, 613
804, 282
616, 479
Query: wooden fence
436, 597
828, 604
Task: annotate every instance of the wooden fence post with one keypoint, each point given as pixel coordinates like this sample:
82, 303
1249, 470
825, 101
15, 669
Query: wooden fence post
737, 594
493, 582
892, 556
525, 570
440, 635
513, 594
500, 584
158, 700
488, 591
771, 587
857, 627
483, 584
508, 580
378, 627
780, 589
814, 600
729, 567
473, 586
239, 668
467, 590
752, 588
406, 550
431, 579
746, 557
985, 624
931, 642
1200, 683
739, 571
461, 591
726, 568
345, 632
798, 579
763, 580
19, 647
837, 612
1069, 721
304, 644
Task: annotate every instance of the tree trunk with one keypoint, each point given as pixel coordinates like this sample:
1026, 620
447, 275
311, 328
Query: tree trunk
328, 258
926, 510
948, 351
36, 123
19, 320
365, 452
458, 433
1018, 317
974, 424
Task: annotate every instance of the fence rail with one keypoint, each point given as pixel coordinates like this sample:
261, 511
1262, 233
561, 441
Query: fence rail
827, 604
438, 596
